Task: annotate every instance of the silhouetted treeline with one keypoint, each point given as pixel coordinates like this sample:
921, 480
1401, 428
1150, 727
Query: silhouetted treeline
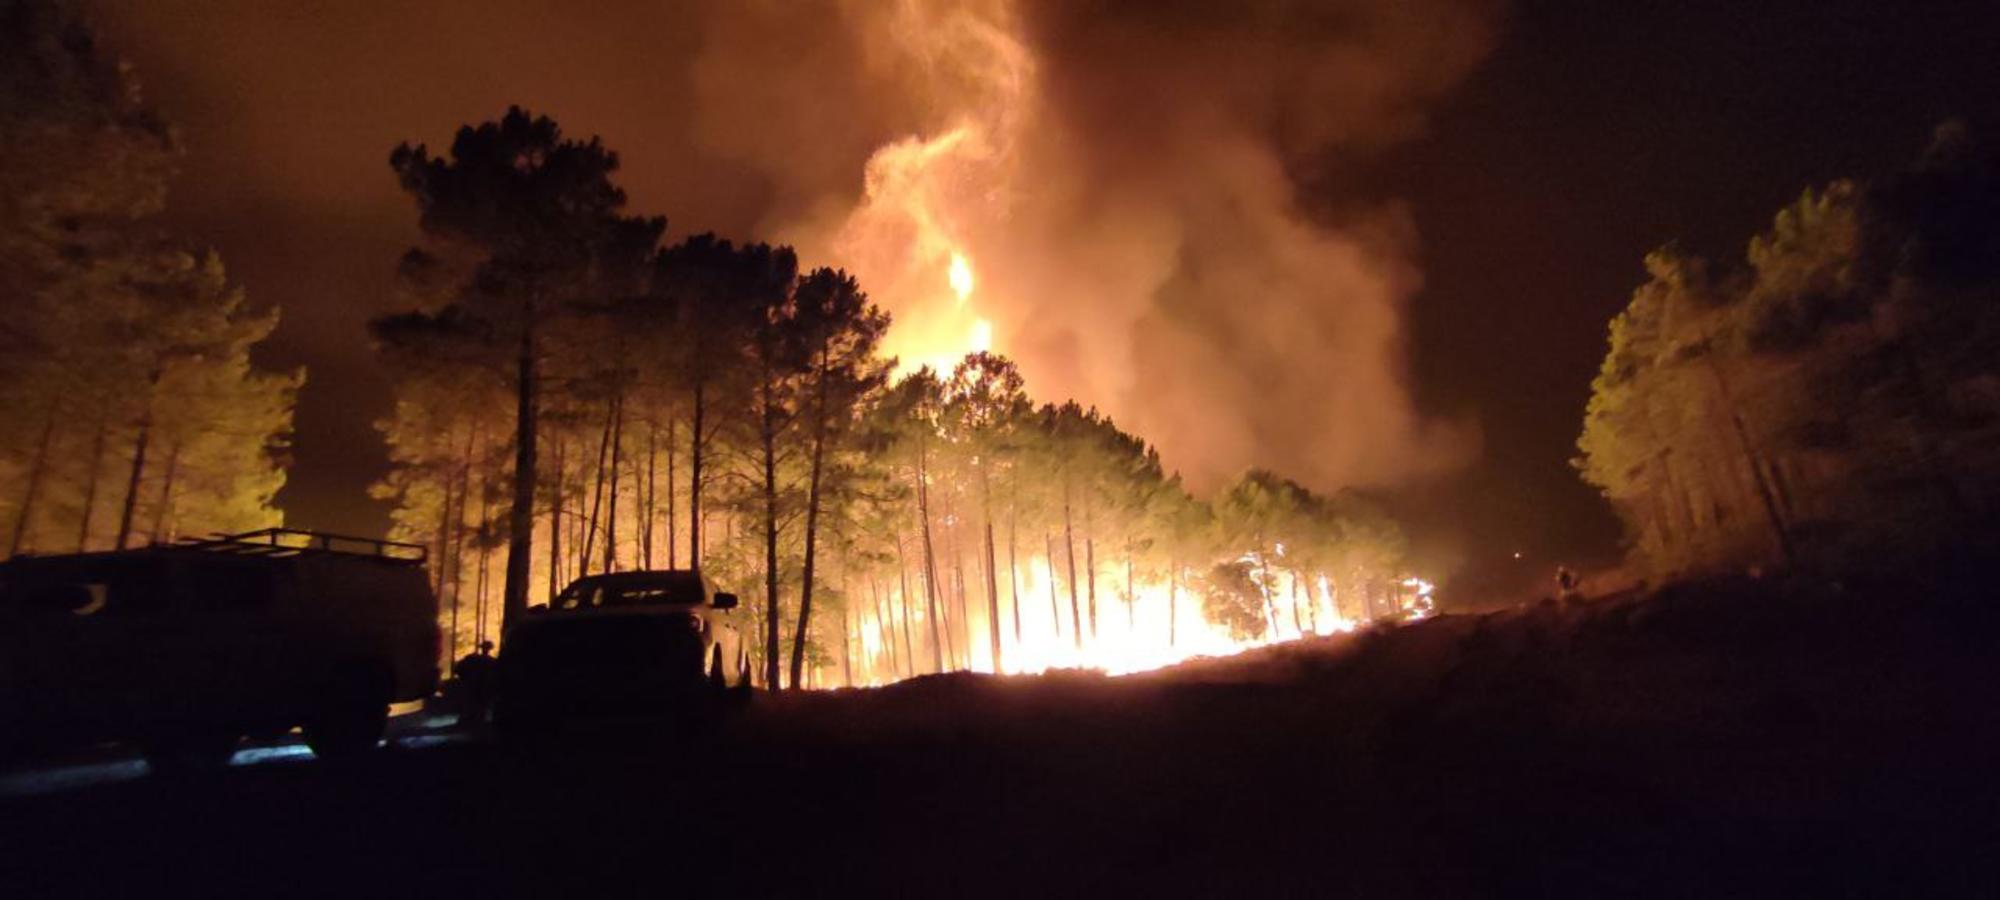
1834, 399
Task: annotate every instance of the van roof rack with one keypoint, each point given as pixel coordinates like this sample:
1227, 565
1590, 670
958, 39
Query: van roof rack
297, 542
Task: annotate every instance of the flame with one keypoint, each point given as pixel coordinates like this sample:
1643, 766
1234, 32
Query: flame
934, 201
1146, 625
929, 199
961, 277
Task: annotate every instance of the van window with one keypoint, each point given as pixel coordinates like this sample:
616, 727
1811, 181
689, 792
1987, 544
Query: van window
581, 595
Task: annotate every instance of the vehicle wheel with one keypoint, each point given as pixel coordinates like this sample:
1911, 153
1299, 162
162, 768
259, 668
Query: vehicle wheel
737, 697
195, 752
350, 721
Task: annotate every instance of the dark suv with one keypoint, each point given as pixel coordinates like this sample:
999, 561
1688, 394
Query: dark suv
640, 645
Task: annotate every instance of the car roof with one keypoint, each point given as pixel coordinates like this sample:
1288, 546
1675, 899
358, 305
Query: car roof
677, 585
671, 578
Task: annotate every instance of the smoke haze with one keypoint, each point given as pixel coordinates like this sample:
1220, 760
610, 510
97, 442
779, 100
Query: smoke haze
1120, 177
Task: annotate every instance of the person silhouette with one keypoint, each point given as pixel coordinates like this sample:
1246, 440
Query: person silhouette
1566, 584
475, 676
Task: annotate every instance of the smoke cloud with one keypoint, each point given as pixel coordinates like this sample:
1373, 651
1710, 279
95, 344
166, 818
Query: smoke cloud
1119, 176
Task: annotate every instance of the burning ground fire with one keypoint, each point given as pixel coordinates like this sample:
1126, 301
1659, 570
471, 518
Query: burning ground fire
1120, 627
1152, 626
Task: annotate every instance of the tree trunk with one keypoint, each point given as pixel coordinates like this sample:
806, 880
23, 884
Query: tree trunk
458, 535
1069, 542
1131, 592
992, 568
903, 600
768, 435
166, 492
1764, 495
90, 487
443, 557
993, 598
958, 615
448, 534
37, 470
579, 559
556, 527
930, 562
672, 521
1264, 588
521, 518
846, 652
611, 500
1055, 605
485, 559
597, 490
138, 463
1090, 566
812, 527
649, 504
1014, 571
694, 477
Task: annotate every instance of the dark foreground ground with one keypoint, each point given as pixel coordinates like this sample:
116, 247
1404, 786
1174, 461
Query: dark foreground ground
1725, 739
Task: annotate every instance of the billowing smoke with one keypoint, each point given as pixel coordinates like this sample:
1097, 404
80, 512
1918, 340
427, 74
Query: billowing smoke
1117, 176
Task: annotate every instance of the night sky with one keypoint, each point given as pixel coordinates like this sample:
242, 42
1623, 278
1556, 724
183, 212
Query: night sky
1591, 133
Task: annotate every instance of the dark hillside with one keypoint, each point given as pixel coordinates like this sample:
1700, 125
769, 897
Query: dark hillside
1728, 737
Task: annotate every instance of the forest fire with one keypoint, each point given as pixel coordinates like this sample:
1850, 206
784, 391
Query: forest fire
839, 427
1127, 628
928, 202
973, 448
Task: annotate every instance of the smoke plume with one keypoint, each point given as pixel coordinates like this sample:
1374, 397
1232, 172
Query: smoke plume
1118, 179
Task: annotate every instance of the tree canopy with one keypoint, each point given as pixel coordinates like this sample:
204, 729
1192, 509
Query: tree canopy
1834, 393
132, 410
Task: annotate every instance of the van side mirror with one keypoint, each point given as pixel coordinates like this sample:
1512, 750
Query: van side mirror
725, 600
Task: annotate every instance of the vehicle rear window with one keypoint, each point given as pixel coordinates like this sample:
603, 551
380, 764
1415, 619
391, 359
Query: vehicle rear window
626, 591
648, 595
